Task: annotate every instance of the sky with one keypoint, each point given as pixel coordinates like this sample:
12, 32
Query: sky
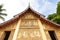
14, 7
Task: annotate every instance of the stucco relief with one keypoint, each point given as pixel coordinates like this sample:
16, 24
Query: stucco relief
29, 16
29, 33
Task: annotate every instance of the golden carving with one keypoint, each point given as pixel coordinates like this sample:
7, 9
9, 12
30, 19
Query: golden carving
26, 34
29, 16
29, 23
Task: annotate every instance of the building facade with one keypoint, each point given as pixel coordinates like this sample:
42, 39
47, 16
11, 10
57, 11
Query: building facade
29, 25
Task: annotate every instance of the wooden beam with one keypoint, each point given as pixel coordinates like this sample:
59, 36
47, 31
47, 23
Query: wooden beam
16, 30
42, 30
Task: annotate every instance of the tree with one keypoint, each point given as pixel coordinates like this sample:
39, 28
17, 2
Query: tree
2, 14
55, 17
58, 8
51, 16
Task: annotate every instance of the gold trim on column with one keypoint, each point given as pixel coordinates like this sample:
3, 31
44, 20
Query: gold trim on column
42, 30
2, 36
16, 30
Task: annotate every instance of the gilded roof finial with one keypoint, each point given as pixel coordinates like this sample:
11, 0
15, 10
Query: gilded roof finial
29, 4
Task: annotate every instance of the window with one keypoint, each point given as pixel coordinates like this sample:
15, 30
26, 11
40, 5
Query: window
7, 33
52, 35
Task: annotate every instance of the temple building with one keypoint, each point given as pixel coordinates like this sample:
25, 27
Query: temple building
29, 25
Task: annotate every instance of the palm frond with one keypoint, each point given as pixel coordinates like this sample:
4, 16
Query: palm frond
4, 14
2, 18
1, 6
2, 10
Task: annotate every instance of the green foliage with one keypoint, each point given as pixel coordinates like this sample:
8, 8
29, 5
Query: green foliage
51, 16
2, 14
58, 8
55, 17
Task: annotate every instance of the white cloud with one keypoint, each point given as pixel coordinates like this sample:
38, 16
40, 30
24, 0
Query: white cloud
47, 7
35, 5
58, 0
14, 7
43, 7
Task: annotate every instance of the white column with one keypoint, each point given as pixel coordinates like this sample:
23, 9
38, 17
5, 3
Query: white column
16, 30
42, 30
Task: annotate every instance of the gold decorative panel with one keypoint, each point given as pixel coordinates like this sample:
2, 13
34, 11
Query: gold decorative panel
29, 23
29, 16
29, 34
